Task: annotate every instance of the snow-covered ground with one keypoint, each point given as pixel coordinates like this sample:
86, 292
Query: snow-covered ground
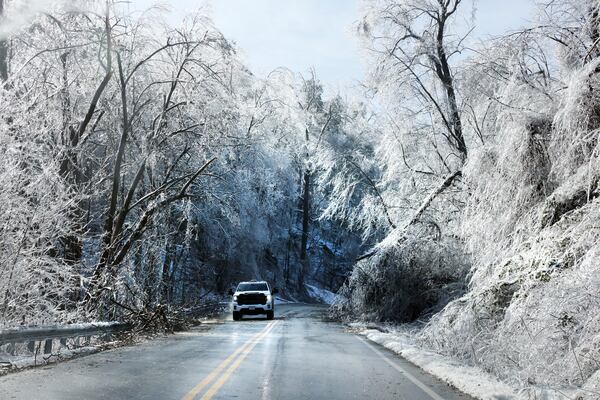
320, 294
468, 379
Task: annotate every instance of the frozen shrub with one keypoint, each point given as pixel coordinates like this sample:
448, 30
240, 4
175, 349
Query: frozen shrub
404, 282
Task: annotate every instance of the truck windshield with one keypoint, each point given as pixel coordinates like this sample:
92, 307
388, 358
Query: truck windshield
248, 287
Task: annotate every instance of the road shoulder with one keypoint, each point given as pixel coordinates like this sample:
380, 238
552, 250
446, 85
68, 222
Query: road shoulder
467, 379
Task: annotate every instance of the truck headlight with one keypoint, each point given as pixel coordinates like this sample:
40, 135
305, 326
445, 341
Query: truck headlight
235, 298
269, 298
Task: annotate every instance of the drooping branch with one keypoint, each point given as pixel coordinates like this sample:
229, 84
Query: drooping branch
150, 56
374, 187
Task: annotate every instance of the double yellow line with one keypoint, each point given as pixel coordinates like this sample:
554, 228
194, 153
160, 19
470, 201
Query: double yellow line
242, 352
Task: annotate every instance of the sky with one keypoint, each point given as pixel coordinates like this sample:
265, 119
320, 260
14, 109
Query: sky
305, 34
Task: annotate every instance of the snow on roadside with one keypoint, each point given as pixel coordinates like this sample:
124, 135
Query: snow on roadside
469, 380
280, 300
323, 295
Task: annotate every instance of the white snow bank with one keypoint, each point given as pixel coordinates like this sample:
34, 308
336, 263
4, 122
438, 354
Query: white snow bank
469, 380
320, 294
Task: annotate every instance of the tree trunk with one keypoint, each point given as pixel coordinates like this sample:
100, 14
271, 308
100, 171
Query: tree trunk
109, 219
305, 221
69, 168
305, 214
594, 17
3, 50
443, 72
166, 274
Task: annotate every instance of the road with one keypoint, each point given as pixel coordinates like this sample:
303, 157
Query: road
296, 356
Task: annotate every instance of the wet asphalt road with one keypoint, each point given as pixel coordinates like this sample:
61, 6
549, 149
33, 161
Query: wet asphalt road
296, 356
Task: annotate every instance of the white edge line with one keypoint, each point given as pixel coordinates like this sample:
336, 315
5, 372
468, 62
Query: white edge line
398, 368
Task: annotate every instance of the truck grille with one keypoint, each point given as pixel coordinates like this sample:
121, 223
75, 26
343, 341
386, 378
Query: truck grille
252, 298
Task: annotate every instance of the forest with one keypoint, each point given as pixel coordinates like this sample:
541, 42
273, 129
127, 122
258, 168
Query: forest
145, 167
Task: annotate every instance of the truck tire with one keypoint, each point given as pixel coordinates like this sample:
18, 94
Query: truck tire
236, 315
270, 314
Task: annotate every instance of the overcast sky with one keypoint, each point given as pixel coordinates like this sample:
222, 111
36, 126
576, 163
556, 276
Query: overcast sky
300, 34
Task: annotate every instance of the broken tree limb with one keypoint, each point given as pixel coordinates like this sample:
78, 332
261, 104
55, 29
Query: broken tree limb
445, 185
120, 248
373, 186
399, 232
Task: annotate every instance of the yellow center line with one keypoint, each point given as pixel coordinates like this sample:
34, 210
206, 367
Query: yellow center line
192, 393
219, 383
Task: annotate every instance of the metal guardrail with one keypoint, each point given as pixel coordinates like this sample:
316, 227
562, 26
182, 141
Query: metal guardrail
20, 335
42, 340
46, 335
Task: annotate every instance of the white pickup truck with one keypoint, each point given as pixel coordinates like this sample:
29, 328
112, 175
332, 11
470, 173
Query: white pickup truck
252, 298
